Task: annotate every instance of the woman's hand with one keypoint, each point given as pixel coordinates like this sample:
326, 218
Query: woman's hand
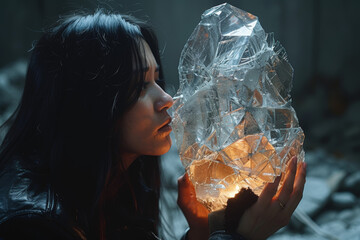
195, 213
273, 209
271, 212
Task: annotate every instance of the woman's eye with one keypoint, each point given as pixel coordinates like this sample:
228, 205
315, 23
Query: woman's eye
160, 82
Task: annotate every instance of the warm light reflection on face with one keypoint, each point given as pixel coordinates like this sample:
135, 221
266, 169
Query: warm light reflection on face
144, 128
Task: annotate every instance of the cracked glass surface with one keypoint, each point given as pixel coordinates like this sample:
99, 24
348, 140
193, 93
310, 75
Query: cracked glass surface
233, 122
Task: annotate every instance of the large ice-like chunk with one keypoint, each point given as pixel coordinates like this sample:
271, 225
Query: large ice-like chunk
232, 117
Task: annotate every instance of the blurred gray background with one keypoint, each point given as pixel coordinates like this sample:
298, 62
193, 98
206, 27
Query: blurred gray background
322, 41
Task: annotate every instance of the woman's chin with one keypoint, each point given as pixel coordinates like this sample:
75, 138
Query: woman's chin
164, 147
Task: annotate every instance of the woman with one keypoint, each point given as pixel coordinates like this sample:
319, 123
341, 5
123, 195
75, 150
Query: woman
80, 159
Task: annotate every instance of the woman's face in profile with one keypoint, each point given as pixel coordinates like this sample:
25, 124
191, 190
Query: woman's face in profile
145, 127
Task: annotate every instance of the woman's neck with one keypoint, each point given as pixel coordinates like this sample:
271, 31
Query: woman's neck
127, 159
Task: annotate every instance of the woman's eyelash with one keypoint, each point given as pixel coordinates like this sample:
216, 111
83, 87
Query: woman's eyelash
159, 82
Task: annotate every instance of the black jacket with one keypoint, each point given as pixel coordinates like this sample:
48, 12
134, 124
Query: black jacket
30, 209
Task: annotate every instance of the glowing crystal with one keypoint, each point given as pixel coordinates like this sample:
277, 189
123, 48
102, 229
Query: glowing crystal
232, 117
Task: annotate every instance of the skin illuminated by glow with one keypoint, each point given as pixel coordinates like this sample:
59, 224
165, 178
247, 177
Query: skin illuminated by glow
144, 128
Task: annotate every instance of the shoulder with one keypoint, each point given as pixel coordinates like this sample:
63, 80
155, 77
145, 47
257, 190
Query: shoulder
29, 209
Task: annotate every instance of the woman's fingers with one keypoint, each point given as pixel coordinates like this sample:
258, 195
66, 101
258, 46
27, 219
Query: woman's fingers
284, 194
260, 214
267, 194
195, 213
186, 191
278, 200
298, 190
184, 184
268, 214
286, 190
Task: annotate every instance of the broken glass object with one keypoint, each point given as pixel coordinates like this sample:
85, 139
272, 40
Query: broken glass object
233, 122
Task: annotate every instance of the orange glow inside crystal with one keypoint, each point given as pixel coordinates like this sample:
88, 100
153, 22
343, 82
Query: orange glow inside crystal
249, 162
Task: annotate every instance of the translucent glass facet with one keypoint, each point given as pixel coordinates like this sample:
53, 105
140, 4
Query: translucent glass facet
232, 117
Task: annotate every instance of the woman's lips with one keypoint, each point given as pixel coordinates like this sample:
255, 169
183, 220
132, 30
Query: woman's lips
166, 128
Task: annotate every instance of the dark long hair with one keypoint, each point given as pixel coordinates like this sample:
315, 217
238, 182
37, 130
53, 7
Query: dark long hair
83, 75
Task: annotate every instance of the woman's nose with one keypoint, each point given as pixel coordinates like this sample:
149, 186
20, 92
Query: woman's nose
165, 101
